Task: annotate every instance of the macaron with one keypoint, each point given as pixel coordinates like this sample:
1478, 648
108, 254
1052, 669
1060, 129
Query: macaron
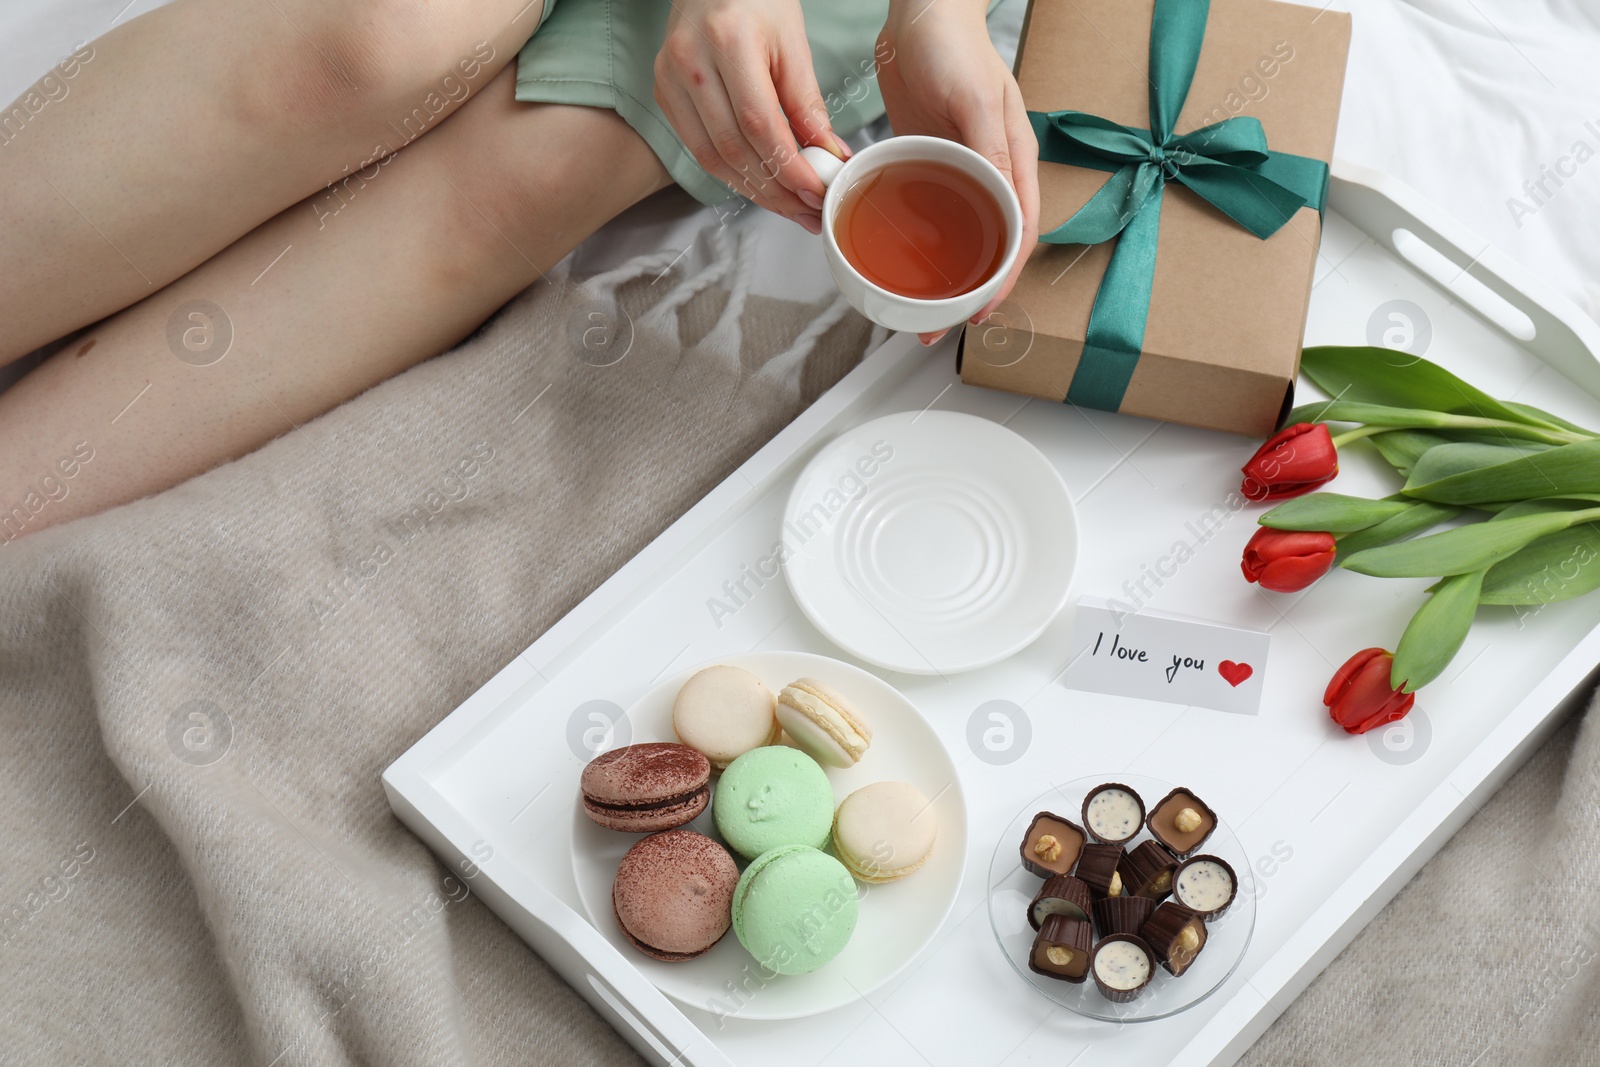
771, 797
673, 894
724, 712
823, 723
644, 788
884, 831
794, 909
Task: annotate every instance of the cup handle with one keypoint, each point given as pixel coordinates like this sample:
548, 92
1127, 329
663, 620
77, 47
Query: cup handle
825, 163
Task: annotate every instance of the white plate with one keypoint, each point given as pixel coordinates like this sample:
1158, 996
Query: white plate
1011, 889
897, 920
930, 542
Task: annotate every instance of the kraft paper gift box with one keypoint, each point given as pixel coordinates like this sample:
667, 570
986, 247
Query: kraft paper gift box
1224, 309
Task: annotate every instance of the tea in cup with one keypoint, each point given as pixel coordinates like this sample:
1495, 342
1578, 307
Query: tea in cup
919, 232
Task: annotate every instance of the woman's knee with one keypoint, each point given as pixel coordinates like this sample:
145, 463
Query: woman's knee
534, 169
395, 66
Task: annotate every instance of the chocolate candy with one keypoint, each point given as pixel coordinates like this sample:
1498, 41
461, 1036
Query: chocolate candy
1182, 822
1205, 885
1097, 868
1061, 949
1051, 845
1113, 813
1176, 935
1060, 895
1122, 915
1147, 871
1122, 965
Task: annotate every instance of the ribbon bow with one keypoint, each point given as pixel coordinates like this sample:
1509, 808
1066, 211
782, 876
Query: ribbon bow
1228, 164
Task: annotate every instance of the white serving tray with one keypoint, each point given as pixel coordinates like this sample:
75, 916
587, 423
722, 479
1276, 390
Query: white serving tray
1337, 824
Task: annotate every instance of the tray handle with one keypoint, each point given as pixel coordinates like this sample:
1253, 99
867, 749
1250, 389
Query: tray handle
634, 1007
1496, 287
656, 1028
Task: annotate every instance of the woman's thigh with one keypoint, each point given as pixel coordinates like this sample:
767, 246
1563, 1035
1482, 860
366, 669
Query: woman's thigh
185, 128
316, 308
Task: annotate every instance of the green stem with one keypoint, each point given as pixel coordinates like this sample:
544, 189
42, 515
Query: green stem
1359, 432
1516, 429
1393, 418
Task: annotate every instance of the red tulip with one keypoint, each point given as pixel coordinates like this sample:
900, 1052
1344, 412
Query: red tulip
1360, 697
1295, 460
1286, 561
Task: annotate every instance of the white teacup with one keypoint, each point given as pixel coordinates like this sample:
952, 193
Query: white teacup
890, 309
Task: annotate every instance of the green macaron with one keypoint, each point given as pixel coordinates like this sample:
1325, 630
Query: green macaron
794, 909
770, 797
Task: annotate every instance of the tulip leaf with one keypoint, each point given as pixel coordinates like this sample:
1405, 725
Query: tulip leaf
1453, 424
1539, 413
1402, 448
1458, 551
1370, 375
1311, 412
1551, 569
1414, 519
1546, 506
1444, 475
1523, 445
1331, 512
1341, 410
1436, 632
1459, 457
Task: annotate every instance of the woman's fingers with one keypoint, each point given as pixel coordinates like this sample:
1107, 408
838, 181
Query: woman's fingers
769, 150
979, 116
1023, 150
741, 166
685, 119
735, 80
706, 124
1024, 156
795, 79
696, 96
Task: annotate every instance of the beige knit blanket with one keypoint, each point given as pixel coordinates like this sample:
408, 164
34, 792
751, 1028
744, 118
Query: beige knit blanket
198, 693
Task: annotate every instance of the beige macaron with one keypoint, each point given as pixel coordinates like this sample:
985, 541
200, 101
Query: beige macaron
723, 712
884, 831
823, 723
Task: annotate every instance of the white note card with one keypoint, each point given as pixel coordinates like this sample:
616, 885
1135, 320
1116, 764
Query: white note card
1173, 658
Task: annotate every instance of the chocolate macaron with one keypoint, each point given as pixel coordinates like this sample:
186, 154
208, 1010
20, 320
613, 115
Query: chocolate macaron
673, 894
644, 788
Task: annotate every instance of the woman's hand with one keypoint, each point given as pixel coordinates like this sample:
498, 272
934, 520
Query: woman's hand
734, 78
940, 75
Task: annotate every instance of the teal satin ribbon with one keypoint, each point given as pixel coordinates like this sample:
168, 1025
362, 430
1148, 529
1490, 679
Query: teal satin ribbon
1227, 164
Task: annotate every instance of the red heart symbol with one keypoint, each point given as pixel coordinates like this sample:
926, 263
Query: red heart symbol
1234, 673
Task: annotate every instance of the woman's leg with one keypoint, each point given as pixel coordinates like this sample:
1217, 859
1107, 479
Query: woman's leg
443, 235
145, 152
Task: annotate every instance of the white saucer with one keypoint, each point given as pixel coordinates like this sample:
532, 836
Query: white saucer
930, 542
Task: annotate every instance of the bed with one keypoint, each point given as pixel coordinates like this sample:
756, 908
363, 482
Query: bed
162, 906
